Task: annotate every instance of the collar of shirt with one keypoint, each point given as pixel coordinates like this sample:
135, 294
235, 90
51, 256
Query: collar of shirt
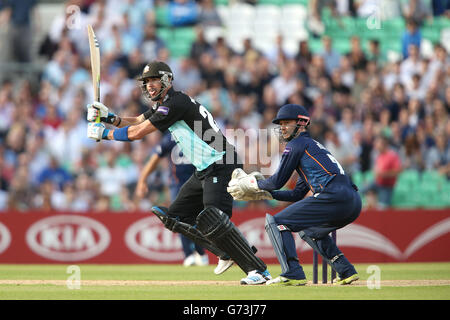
304, 134
170, 93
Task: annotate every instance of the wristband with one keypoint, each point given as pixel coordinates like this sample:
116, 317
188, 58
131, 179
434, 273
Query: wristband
110, 118
105, 134
121, 134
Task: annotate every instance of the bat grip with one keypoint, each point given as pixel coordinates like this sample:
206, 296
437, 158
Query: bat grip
97, 120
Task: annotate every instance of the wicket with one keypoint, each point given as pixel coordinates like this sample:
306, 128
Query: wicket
324, 266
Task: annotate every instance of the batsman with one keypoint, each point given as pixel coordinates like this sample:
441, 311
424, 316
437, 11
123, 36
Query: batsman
203, 207
324, 199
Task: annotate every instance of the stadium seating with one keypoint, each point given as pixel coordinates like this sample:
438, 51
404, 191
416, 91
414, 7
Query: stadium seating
428, 189
358, 179
162, 16
406, 190
165, 34
265, 20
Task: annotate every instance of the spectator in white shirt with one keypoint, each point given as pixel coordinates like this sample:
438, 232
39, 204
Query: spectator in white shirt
411, 65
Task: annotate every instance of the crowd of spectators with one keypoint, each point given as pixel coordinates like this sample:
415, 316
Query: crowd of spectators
47, 162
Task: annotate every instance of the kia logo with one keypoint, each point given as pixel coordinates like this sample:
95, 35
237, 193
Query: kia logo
68, 238
5, 238
149, 239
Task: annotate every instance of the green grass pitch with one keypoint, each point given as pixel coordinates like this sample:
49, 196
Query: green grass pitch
405, 281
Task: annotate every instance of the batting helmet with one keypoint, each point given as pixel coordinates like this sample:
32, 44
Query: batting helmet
156, 69
291, 112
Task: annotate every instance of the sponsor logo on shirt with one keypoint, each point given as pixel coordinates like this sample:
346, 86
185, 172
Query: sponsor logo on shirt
163, 110
287, 151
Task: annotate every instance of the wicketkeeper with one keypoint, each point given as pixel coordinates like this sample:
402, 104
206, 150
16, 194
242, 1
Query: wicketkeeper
334, 203
203, 207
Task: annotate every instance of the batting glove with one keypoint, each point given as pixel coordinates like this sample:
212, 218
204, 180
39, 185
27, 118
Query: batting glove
97, 131
98, 108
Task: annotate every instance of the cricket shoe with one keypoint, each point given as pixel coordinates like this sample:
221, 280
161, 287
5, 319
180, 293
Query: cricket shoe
346, 281
201, 260
282, 281
223, 265
256, 277
189, 261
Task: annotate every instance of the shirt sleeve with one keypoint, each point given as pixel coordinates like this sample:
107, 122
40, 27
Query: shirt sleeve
168, 113
158, 150
297, 194
289, 162
147, 114
397, 162
166, 146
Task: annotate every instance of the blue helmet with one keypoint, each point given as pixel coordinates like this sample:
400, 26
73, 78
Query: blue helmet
291, 112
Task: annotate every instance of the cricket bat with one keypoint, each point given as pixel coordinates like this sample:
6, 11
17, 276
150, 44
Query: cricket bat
95, 65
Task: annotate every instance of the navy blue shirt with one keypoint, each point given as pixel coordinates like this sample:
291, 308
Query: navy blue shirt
314, 164
59, 176
20, 10
180, 166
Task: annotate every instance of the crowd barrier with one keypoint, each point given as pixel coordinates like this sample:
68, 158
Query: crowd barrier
139, 238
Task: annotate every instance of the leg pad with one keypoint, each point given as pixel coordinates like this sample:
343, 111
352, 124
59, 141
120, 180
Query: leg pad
189, 231
216, 226
274, 234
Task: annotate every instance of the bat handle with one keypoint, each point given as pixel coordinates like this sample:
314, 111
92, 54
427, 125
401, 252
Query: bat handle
97, 120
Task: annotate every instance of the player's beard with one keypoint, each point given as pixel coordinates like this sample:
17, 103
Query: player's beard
152, 98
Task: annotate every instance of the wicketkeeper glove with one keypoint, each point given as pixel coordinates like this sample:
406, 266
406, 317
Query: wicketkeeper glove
245, 187
259, 195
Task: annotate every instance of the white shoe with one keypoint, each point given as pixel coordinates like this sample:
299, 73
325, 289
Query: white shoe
223, 265
201, 260
255, 277
189, 261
